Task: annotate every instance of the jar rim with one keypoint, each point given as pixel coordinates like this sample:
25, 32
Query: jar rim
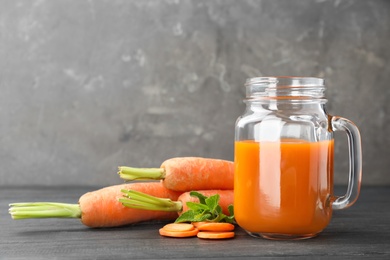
285, 88
286, 81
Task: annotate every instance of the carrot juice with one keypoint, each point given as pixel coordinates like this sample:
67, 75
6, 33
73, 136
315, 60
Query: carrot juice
283, 188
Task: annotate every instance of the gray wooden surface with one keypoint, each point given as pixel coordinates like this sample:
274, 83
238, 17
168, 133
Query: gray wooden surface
362, 231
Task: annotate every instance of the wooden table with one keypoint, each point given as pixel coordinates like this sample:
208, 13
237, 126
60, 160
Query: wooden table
360, 231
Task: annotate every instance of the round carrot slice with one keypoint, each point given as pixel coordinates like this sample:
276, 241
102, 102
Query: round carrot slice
197, 224
178, 227
215, 235
215, 226
167, 233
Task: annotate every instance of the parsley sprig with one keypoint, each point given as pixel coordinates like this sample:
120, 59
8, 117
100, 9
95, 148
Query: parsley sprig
208, 209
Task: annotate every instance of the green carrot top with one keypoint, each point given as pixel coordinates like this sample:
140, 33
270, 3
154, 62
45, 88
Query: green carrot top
131, 173
44, 210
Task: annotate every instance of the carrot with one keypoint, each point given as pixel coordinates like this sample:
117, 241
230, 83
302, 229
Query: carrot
188, 233
215, 235
215, 226
99, 208
205, 230
140, 200
199, 223
187, 173
179, 227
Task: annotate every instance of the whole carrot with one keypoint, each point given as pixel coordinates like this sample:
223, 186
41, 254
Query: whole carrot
99, 208
187, 173
139, 200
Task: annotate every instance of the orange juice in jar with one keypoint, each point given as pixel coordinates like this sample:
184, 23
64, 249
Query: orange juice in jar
284, 149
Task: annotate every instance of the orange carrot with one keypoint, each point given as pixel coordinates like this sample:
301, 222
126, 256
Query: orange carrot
215, 235
179, 227
215, 227
187, 173
199, 223
145, 201
205, 230
188, 233
99, 208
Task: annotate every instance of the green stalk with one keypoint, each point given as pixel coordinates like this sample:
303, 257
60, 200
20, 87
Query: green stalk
130, 173
25, 210
138, 200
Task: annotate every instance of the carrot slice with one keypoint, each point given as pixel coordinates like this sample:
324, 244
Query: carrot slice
215, 226
178, 227
189, 233
215, 235
197, 224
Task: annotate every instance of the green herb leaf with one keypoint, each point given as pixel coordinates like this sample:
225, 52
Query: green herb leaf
201, 217
231, 210
208, 209
197, 206
202, 198
212, 202
187, 216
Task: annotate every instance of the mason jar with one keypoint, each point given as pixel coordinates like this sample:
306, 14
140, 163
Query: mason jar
284, 159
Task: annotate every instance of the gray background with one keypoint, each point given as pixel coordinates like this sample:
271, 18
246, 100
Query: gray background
87, 86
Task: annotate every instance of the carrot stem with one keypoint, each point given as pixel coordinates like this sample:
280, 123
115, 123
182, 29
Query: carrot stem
139, 200
25, 210
131, 173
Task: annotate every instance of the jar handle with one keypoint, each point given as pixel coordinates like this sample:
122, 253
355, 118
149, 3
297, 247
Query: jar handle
355, 161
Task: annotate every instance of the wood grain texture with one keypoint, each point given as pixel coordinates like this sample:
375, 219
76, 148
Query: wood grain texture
362, 231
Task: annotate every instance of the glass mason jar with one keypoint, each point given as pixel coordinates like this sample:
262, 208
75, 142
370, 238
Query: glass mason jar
284, 152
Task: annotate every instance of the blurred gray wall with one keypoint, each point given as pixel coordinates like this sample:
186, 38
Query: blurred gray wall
87, 86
